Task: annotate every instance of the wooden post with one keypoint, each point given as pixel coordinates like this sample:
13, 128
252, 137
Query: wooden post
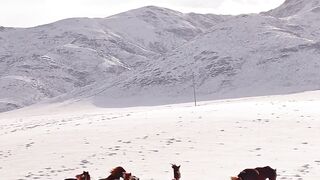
194, 90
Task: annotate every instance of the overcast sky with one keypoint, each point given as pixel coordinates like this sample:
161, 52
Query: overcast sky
27, 13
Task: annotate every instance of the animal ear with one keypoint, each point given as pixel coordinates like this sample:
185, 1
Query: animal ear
179, 166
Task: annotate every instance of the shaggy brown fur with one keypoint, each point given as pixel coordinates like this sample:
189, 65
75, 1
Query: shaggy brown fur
259, 173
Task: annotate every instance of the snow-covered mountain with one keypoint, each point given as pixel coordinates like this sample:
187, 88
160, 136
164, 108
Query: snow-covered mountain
295, 8
152, 53
50, 60
302, 17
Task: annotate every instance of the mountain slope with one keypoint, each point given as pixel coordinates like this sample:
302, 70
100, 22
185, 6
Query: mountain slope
151, 55
50, 60
300, 17
295, 7
245, 56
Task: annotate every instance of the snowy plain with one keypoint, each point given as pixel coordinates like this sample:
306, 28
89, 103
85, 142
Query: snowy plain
215, 140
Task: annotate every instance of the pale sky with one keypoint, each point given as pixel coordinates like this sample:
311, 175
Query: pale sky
28, 13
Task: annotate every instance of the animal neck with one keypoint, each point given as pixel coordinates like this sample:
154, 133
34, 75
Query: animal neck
176, 174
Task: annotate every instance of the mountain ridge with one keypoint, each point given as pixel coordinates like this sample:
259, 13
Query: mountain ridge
294, 7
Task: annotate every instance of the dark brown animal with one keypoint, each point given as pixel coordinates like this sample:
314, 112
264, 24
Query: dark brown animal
116, 173
84, 176
176, 172
259, 173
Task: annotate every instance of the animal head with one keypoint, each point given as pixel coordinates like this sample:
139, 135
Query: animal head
134, 178
175, 167
117, 172
117, 169
126, 176
129, 176
84, 176
268, 172
272, 173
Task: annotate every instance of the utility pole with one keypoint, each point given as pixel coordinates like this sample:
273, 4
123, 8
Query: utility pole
194, 90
